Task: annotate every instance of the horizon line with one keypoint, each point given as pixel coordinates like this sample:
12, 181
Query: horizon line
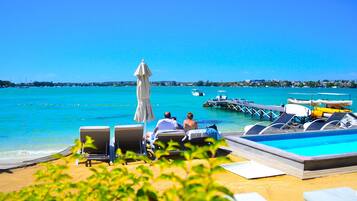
205, 81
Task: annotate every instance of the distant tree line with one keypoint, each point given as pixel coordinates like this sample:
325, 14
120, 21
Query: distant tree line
282, 83
4, 84
245, 83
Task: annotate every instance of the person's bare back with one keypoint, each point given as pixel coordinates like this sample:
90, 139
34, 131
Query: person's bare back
189, 123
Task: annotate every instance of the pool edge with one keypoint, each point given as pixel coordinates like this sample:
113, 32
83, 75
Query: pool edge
292, 164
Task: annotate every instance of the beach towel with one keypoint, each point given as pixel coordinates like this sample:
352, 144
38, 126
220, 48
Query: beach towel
213, 133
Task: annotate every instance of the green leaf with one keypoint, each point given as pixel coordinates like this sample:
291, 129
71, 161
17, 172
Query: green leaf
188, 179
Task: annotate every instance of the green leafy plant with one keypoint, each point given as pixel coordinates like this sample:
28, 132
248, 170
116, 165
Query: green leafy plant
189, 177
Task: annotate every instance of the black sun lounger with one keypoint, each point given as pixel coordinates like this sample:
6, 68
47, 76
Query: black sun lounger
320, 124
279, 123
129, 138
101, 137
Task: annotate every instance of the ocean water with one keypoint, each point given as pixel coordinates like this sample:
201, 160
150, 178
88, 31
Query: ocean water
39, 121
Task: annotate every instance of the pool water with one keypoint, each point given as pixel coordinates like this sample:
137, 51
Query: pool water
315, 144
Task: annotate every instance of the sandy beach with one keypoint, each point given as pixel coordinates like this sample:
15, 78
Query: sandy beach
279, 188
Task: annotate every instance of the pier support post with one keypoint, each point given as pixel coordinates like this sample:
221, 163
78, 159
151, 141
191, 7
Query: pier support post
271, 115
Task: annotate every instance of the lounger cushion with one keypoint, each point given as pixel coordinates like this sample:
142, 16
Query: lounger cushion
332, 194
197, 133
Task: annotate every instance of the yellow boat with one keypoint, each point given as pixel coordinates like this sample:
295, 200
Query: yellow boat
319, 112
321, 107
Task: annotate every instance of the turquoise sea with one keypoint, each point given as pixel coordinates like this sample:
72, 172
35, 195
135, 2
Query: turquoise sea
38, 121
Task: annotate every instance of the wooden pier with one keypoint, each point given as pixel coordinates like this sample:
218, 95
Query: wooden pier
269, 112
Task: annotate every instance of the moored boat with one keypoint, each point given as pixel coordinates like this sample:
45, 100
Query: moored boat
196, 92
324, 105
302, 101
336, 103
221, 95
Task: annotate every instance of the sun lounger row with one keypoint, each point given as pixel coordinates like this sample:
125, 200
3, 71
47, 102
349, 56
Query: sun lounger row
285, 119
129, 138
320, 124
279, 123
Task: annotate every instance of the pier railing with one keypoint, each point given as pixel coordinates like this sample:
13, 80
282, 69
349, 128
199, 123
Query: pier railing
269, 112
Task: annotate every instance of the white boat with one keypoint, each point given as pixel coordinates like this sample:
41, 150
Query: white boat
196, 92
303, 102
329, 103
336, 103
221, 95
342, 102
297, 110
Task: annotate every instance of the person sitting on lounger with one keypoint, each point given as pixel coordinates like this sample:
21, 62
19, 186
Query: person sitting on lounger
167, 123
189, 123
179, 126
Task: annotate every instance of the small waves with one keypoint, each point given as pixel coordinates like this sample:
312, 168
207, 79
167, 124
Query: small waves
213, 121
75, 105
24, 155
113, 116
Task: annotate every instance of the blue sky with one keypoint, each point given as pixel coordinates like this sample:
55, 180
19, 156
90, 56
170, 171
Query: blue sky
181, 40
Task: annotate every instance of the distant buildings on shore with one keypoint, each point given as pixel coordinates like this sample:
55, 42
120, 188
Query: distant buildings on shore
245, 83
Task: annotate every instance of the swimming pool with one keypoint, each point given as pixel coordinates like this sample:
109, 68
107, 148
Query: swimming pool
306, 154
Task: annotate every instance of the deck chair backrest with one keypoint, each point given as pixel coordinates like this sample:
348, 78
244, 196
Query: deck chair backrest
337, 116
166, 136
352, 115
283, 119
101, 137
129, 137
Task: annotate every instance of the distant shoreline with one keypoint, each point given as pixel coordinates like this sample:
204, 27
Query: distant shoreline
246, 83
19, 87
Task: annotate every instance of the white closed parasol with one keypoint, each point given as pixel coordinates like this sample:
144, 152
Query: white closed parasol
143, 110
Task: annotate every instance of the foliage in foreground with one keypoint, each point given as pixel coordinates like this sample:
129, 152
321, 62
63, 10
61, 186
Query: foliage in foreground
179, 179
